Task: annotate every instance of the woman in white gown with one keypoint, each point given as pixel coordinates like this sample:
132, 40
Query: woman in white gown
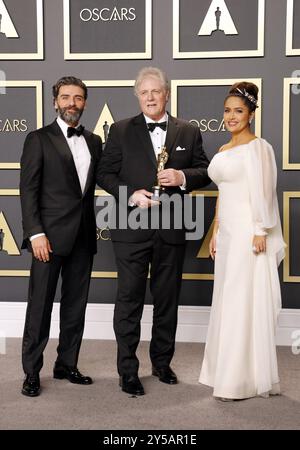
247, 246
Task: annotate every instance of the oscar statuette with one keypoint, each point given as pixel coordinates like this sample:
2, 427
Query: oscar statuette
162, 159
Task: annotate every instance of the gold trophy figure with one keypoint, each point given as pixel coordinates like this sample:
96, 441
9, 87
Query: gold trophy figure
162, 159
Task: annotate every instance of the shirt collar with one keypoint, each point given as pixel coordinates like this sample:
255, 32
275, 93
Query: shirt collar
63, 125
163, 119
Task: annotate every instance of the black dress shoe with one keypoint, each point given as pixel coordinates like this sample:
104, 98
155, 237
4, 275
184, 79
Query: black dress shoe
72, 374
131, 384
165, 374
31, 385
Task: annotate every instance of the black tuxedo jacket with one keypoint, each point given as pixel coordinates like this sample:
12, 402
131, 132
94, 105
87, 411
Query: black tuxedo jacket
51, 197
129, 160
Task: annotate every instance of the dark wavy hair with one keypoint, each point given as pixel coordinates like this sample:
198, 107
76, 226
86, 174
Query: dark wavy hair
247, 91
67, 81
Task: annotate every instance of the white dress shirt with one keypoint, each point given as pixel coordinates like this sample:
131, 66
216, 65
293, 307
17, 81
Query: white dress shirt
81, 156
158, 138
80, 152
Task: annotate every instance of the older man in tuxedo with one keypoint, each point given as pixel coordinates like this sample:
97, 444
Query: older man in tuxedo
129, 163
58, 168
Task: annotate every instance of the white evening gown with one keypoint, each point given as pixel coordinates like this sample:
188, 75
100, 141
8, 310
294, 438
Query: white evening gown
240, 354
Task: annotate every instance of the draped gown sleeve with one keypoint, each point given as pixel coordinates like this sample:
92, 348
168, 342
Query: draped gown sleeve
262, 179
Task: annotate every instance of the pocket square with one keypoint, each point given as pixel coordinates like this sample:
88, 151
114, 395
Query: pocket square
180, 149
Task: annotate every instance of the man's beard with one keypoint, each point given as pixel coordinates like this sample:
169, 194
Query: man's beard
72, 118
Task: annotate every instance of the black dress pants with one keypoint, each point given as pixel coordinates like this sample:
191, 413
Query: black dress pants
133, 261
75, 271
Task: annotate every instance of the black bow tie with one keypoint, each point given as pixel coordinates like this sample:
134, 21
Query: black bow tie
78, 131
152, 125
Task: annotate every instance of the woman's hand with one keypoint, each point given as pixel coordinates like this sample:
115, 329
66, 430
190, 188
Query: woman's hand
212, 246
259, 244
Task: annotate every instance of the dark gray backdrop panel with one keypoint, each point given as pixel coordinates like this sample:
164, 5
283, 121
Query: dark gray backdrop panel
192, 13
24, 16
296, 29
11, 142
108, 35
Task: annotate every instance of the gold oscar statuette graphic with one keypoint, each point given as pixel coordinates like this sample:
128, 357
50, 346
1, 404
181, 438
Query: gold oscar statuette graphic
162, 159
218, 20
7, 27
1, 239
104, 123
7, 240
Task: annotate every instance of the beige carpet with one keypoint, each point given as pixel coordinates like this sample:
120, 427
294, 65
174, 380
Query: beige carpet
103, 406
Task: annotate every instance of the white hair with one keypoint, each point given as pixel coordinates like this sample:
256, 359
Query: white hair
153, 72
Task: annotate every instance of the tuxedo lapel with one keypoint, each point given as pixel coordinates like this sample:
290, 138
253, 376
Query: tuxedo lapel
172, 131
144, 137
61, 146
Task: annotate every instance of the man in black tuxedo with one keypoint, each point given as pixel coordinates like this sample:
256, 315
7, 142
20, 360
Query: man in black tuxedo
57, 184
129, 163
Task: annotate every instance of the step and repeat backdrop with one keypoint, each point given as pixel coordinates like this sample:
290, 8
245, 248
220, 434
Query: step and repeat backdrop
204, 46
